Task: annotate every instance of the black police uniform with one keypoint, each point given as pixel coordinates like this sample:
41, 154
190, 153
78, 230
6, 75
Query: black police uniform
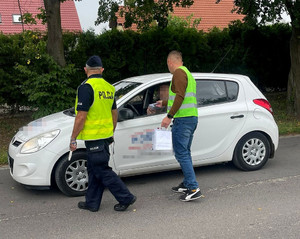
101, 176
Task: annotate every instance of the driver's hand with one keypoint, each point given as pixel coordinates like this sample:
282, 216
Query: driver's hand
159, 103
150, 111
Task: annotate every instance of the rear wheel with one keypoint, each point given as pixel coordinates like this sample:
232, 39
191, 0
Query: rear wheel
71, 176
252, 152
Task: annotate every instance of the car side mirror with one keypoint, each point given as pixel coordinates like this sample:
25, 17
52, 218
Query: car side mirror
125, 114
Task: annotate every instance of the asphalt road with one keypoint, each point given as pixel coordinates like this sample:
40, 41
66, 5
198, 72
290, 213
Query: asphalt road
260, 204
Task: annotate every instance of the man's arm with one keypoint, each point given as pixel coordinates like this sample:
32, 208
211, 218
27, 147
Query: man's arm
114, 113
179, 84
78, 126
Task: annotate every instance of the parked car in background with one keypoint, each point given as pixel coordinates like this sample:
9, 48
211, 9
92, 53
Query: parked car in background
235, 124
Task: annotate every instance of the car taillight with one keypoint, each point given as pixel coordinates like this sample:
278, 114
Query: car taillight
264, 103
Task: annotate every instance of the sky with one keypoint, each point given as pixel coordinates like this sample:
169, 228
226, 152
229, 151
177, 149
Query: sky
88, 11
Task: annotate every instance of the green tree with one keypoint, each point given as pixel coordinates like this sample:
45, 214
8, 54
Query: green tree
140, 12
50, 15
175, 21
263, 11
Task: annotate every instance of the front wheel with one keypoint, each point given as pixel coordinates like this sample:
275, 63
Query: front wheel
252, 152
71, 176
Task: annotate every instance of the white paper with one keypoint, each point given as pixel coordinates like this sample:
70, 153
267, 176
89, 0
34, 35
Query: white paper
162, 140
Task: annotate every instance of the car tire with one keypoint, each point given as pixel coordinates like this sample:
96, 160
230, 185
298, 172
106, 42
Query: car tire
252, 152
71, 176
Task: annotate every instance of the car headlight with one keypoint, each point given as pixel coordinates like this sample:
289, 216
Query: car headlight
37, 143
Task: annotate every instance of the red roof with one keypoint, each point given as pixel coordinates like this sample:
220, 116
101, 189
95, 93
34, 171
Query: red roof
211, 14
69, 16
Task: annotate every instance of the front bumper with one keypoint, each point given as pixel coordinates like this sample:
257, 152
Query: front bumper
31, 169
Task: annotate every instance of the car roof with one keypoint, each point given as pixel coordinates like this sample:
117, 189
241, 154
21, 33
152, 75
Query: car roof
148, 78
164, 76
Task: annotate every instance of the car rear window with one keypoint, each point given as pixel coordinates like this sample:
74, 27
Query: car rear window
215, 91
232, 90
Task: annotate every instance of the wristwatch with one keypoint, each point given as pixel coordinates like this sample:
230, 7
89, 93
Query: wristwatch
170, 116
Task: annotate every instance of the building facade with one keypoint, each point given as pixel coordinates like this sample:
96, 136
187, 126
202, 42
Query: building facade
11, 11
211, 14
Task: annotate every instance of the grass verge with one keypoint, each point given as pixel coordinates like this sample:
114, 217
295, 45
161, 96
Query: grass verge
9, 125
288, 125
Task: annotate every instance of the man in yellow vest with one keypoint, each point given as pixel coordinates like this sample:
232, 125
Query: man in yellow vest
95, 122
182, 108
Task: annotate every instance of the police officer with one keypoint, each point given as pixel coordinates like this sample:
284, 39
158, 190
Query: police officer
95, 122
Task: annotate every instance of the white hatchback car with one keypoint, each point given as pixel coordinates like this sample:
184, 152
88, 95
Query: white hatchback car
235, 124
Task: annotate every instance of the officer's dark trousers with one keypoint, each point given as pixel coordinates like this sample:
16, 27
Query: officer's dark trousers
101, 176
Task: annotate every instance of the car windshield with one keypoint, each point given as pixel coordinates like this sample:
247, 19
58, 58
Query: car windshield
123, 87
70, 112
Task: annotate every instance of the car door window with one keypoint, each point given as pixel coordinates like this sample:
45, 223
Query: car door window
160, 92
210, 92
143, 104
215, 92
136, 104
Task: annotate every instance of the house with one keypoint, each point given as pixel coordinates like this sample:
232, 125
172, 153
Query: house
211, 14
10, 16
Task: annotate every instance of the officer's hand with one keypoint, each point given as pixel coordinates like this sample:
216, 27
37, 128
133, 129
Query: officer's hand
73, 145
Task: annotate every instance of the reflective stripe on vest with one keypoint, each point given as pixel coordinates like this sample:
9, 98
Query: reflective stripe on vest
189, 104
99, 122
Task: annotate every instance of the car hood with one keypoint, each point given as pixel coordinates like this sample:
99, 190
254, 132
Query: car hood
48, 123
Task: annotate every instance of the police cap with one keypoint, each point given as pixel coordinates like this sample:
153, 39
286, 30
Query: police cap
94, 61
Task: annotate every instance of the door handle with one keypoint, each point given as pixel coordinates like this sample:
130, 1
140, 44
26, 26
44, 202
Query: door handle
236, 116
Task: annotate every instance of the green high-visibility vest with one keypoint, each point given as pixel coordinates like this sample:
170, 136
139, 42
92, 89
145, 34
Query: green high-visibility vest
189, 104
99, 122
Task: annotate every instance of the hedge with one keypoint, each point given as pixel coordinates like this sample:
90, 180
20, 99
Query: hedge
30, 77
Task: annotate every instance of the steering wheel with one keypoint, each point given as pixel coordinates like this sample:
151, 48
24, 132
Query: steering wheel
133, 109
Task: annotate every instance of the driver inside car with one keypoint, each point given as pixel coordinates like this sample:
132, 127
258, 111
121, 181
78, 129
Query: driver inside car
163, 92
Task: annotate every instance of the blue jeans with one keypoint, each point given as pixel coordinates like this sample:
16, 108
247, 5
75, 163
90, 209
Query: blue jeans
182, 135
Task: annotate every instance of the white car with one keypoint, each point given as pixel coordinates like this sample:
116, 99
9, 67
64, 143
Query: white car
235, 124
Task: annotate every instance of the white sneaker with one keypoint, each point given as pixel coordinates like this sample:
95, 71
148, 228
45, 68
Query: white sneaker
190, 195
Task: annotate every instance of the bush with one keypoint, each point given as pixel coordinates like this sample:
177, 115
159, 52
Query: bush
45, 84
11, 52
30, 77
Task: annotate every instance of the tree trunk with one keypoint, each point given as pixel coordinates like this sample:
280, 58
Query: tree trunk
55, 47
293, 97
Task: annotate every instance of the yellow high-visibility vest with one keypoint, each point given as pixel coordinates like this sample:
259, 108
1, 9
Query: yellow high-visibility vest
99, 122
189, 104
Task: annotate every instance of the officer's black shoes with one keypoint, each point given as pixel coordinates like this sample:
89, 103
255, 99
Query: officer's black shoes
122, 207
82, 205
117, 207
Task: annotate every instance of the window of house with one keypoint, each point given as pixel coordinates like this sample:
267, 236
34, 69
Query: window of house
214, 92
0, 18
16, 18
